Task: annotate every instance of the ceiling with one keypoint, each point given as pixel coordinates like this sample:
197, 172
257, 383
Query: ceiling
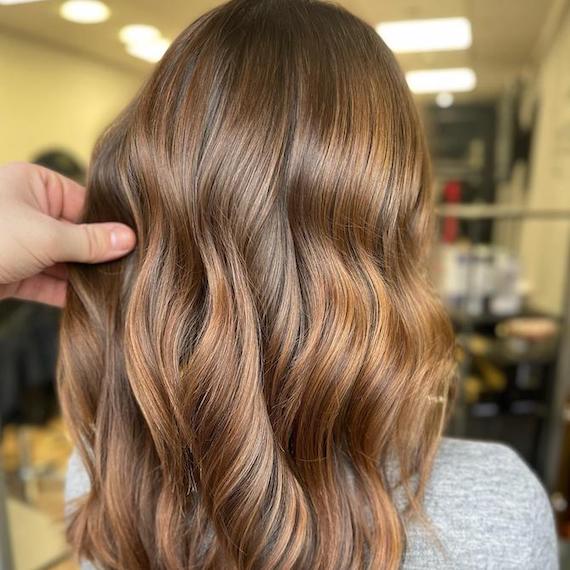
505, 32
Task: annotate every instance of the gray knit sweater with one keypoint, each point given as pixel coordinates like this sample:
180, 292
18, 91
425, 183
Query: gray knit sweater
488, 507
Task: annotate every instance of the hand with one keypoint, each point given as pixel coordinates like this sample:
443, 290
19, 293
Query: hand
40, 212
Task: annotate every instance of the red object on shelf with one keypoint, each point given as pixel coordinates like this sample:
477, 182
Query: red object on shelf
451, 195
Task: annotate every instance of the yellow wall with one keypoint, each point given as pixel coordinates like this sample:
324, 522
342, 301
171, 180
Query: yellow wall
54, 98
545, 244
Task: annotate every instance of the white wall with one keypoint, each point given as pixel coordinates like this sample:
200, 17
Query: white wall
54, 98
544, 245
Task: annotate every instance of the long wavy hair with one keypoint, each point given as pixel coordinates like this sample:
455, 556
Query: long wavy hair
239, 386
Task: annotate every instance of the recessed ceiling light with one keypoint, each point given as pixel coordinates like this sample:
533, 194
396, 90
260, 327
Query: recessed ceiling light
138, 33
14, 2
444, 100
150, 51
438, 80
84, 11
438, 34
144, 41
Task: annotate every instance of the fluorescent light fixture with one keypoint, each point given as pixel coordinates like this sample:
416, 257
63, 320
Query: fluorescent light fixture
149, 51
438, 80
144, 41
138, 34
444, 100
84, 11
438, 34
14, 2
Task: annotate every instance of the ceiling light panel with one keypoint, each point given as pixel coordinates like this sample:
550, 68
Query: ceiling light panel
437, 80
84, 11
149, 51
138, 34
439, 34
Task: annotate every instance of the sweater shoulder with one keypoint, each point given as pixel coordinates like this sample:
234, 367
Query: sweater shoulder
487, 507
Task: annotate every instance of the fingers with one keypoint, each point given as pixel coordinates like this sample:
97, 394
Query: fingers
92, 243
64, 197
89, 243
42, 288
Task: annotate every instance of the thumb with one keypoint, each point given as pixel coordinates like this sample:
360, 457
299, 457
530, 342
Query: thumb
93, 243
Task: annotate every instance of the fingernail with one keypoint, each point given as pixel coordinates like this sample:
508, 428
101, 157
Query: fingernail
122, 239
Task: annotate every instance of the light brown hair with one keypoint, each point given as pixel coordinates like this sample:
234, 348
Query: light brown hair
239, 385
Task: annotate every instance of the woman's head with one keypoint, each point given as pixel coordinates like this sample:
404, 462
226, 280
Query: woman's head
238, 385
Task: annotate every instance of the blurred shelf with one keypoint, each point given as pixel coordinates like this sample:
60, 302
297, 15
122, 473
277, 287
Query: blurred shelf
465, 320
532, 409
495, 211
502, 352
